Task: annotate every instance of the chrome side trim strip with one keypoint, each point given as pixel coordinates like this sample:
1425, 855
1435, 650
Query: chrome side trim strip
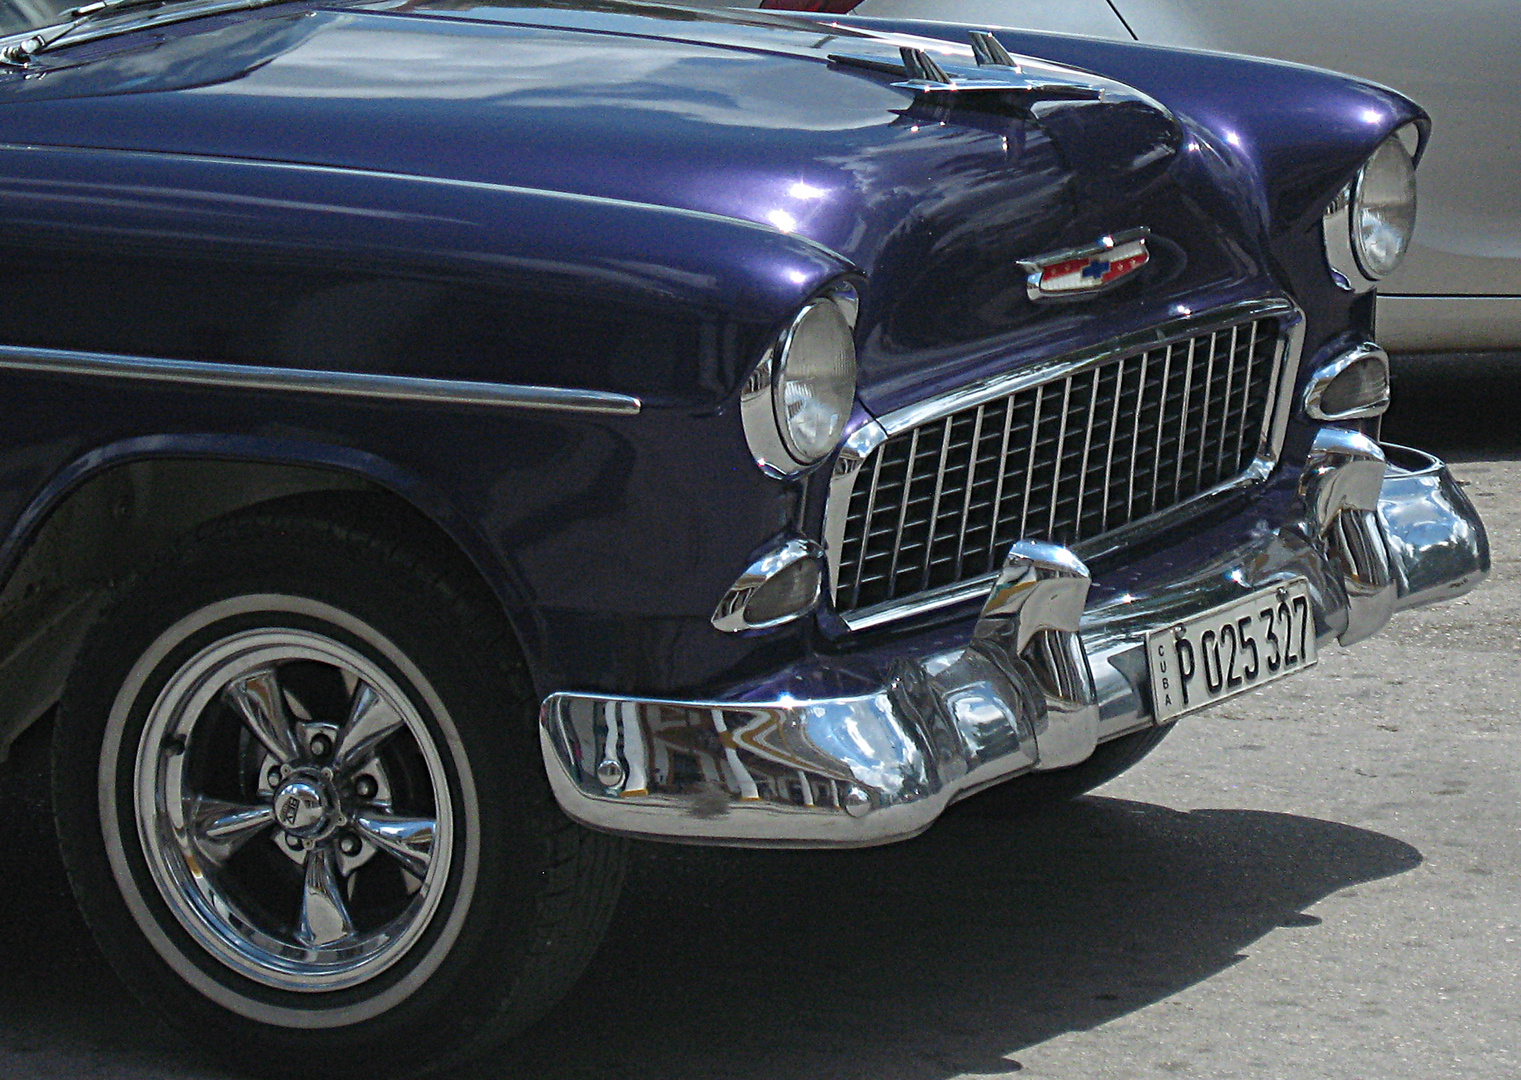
330, 383
861, 446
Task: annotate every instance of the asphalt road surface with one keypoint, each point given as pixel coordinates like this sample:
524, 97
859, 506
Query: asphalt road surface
1319, 880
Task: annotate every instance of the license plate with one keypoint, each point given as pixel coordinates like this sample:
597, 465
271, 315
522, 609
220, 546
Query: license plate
1231, 649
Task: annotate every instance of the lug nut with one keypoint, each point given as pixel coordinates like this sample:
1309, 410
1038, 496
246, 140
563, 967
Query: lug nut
320, 745
365, 787
293, 842
273, 776
349, 844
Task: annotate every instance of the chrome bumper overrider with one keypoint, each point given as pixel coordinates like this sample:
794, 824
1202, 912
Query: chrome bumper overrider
832, 757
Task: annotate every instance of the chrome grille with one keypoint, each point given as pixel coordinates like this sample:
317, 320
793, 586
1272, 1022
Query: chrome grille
1069, 460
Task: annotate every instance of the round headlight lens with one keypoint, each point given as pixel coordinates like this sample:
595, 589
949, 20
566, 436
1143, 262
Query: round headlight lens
815, 381
1383, 209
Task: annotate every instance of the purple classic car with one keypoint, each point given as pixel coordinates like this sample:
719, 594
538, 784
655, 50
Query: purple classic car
448, 437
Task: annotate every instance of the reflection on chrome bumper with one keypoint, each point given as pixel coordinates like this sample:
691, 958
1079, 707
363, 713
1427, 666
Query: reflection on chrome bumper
830, 757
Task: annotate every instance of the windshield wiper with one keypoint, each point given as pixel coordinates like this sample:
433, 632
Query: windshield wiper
20, 53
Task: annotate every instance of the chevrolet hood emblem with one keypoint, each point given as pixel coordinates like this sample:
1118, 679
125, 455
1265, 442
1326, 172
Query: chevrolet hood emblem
1078, 273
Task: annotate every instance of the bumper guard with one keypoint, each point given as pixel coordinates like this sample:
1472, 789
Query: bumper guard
1045, 677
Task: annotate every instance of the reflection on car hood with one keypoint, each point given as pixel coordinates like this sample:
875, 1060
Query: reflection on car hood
742, 117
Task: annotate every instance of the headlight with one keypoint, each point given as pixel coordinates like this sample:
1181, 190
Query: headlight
1368, 227
1383, 209
799, 398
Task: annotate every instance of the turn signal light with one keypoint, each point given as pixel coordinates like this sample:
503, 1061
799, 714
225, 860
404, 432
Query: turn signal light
782, 585
1353, 386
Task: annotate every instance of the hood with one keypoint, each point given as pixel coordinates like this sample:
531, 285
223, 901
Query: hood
753, 118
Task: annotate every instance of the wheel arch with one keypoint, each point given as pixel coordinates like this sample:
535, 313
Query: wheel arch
115, 508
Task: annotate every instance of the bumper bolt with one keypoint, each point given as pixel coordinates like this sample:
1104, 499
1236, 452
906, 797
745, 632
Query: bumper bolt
857, 802
610, 773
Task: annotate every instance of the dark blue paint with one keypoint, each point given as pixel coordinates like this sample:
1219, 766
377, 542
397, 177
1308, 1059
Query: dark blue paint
631, 201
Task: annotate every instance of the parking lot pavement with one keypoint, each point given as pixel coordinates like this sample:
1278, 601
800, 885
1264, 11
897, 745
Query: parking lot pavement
1316, 880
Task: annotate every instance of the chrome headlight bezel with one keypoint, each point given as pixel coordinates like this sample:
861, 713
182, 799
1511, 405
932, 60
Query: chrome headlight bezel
1354, 215
780, 445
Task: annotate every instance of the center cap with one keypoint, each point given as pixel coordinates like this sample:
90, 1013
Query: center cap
303, 806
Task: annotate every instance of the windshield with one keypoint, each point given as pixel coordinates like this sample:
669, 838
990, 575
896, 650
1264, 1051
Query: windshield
56, 22
18, 16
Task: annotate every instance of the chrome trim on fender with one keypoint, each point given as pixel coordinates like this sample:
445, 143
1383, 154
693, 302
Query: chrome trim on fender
1321, 381
331, 383
1336, 229
859, 447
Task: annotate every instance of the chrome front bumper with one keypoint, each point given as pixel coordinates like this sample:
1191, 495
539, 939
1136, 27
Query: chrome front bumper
830, 755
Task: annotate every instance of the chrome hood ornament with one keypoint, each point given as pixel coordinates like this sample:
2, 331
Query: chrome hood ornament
997, 72
1079, 273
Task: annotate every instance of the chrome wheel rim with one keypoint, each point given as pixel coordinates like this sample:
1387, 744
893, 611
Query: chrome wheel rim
293, 809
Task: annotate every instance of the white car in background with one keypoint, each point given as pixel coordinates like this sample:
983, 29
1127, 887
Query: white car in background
1459, 289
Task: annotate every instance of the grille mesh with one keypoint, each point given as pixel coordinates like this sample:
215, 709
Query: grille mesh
1065, 461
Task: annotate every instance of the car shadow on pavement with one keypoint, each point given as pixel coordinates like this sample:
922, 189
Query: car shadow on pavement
941, 956
944, 955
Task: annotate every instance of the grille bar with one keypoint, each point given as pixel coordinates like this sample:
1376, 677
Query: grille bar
1067, 460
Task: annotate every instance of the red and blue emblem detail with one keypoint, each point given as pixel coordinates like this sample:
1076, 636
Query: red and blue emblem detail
1087, 271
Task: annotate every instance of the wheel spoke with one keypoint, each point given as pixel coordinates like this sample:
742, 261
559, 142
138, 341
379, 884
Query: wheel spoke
407, 840
221, 828
371, 721
324, 915
257, 699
